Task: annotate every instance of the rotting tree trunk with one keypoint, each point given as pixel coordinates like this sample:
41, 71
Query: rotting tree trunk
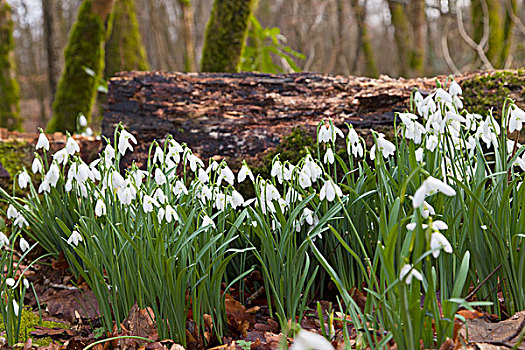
85, 50
226, 35
124, 49
9, 89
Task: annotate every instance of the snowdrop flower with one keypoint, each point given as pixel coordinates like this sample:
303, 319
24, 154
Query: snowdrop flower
16, 308
329, 191
419, 155
237, 199
72, 146
23, 179
53, 175
74, 239
61, 156
305, 340
26, 283
443, 96
438, 242
386, 147
36, 166
42, 142
355, 148
179, 188
412, 226
305, 178
328, 133
194, 161
21, 221
288, 171
227, 174
95, 174
100, 208
4, 241
148, 203
431, 142
44, 187
158, 156
427, 210
407, 272
24, 245
160, 178
125, 195
430, 187
314, 169
207, 221
277, 171
244, 172
10, 282
83, 173
329, 156
160, 196
203, 176
520, 161
517, 117
12, 213
454, 89
82, 121
308, 216
117, 181
292, 196
124, 142
171, 214
109, 155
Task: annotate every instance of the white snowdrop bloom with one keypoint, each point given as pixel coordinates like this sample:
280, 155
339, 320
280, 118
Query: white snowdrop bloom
83, 173
12, 213
407, 118
315, 169
72, 173
305, 340
227, 174
159, 196
438, 225
10, 282
352, 137
430, 187
95, 173
203, 176
431, 142
292, 196
194, 161
109, 155
386, 147
304, 177
207, 221
288, 171
471, 121
329, 191
160, 214
277, 171
26, 283
179, 188
438, 242
72, 146
213, 166
88, 132
517, 117
308, 216
24, 245
355, 148
21, 221
44, 187
328, 133
36, 166
42, 142
415, 131
100, 208
124, 142
427, 210
117, 181
23, 179
125, 195
454, 89
4, 241
176, 146
443, 96
16, 308
61, 156
220, 201
419, 154
173, 154
412, 226
158, 156
329, 156
160, 178
53, 174
148, 203
457, 102
245, 172
82, 121
237, 199
74, 239
407, 272
520, 161
171, 214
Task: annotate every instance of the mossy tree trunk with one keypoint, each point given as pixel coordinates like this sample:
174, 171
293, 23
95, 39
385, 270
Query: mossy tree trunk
190, 61
52, 30
496, 36
226, 35
419, 28
9, 89
511, 6
124, 49
85, 50
401, 35
364, 39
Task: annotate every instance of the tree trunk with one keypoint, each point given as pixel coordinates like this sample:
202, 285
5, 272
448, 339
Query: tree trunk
9, 89
511, 5
190, 61
124, 49
364, 39
495, 39
419, 29
84, 53
52, 32
226, 35
401, 35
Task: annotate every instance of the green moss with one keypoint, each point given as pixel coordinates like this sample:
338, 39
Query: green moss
76, 89
486, 91
14, 156
124, 49
226, 35
496, 33
28, 324
9, 89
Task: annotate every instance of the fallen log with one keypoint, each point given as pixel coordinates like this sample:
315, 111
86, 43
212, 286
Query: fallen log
242, 115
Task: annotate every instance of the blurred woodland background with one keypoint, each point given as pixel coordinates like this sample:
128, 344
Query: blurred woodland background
399, 38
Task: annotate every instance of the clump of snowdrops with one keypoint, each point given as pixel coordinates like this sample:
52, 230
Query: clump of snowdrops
433, 212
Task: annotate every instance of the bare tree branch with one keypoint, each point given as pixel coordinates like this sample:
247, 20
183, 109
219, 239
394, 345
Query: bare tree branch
444, 47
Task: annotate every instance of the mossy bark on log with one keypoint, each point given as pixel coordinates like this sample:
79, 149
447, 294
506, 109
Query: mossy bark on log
85, 50
226, 35
9, 89
124, 48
